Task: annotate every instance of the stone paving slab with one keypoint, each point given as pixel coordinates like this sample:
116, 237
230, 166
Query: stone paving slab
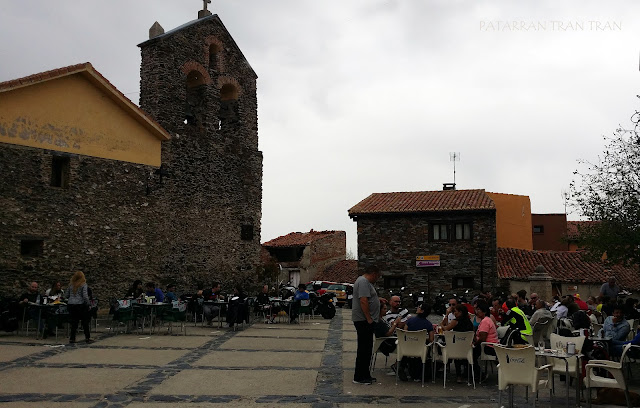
248, 343
68, 380
350, 345
49, 404
12, 352
95, 355
154, 341
278, 332
230, 404
260, 359
239, 382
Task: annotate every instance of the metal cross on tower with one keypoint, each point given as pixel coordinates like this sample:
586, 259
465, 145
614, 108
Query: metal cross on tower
205, 4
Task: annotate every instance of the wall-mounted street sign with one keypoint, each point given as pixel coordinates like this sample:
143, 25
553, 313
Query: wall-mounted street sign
427, 260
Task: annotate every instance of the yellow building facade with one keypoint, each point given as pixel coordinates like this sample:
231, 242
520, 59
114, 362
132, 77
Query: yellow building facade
76, 110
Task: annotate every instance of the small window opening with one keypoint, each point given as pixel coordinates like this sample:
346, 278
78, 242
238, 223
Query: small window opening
462, 282
246, 232
538, 229
214, 51
31, 247
440, 232
195, 96
463, 232
394, 282
60, 171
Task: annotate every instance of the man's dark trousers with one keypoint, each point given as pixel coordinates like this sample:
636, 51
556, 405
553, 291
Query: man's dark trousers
364, 332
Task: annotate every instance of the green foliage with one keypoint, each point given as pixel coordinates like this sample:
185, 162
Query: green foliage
609, 191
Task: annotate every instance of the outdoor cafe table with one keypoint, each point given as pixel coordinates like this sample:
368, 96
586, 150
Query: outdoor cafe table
285, 302
153, 308
49, 308
220, 304
566, 357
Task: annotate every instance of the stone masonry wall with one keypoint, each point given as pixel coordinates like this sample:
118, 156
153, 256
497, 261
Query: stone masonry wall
393, 242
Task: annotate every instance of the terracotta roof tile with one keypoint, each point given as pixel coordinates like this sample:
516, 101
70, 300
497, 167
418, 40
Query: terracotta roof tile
562, 266
573, 227
342, 272
298, 239
423, 201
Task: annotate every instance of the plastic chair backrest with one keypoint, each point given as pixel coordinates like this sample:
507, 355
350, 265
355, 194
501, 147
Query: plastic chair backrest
458, 345
540, 330
515, 366
502, 331
560, 343
123, 304
412, 344
305, 302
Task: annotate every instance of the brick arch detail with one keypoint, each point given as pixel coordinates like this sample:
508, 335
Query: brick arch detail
194, 66
220, 60
227, 80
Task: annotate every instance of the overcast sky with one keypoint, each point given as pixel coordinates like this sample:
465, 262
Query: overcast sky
364, 96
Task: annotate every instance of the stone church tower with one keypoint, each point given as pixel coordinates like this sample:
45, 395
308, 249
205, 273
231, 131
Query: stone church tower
197, 84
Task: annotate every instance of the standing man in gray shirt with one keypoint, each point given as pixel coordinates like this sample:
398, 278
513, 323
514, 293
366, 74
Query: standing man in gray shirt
365, 312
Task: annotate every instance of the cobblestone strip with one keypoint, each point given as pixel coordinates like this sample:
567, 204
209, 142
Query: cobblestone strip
329, 381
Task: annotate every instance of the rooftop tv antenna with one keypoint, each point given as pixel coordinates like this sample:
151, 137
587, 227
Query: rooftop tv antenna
564, 193
454, 157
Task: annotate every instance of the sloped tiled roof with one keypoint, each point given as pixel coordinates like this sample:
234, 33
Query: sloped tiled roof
562, 266
96, 78
423, 201
573, 228
296, 239
343, 272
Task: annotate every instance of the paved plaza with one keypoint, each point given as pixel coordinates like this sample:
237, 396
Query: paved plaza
305, 365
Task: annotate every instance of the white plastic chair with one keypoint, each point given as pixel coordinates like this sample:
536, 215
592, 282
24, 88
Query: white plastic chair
376, 349
517, 366
593, 380
560, 343
486, 357
502, 331
633, 326
541, 330
459, 347
412, 344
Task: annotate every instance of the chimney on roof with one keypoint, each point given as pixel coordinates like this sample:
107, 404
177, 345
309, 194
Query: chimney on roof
204, 12
155, 30
311, 230
448, 186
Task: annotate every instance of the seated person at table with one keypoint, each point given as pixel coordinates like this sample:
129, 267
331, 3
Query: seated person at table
263, 304
170, 296
396, 310
461, 323
153, 291
135, 291
486, 332
211, 295
541, 313
384, 328
236, 313
300, 295
516, 320
55, 291
416, 323
618, 345
616, 326
32, 295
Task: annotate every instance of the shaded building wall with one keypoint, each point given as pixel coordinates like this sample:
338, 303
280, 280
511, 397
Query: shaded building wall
101, 224
513, 220
393, 242
553, 236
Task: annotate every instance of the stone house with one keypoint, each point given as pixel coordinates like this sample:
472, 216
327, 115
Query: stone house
453, 231
302, 255
168, 192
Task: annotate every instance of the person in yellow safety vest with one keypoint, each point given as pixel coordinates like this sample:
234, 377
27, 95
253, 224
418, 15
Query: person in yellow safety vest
516, 319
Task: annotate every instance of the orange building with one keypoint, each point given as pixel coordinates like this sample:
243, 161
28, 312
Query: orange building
513, 221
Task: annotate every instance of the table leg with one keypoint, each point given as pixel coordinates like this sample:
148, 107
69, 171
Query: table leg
39, 323
567, 378
220, 317
579, 380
